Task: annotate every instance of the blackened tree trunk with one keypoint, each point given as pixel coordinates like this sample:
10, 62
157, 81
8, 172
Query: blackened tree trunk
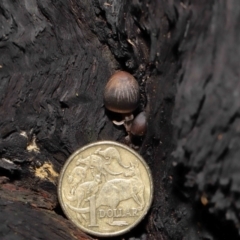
55, 59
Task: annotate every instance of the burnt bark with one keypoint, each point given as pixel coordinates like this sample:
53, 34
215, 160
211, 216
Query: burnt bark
55, 59
207, 112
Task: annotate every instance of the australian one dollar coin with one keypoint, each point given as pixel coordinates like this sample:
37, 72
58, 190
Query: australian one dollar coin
105, 188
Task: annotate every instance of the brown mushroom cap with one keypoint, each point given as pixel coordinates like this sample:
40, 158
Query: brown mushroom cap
121, 93
139, 125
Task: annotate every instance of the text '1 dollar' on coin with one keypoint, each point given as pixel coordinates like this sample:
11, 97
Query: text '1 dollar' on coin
105, 188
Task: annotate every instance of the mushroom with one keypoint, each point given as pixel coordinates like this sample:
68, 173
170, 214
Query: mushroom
139, 125
121, 95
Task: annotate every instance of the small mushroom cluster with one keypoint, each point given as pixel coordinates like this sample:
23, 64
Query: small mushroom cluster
122, 95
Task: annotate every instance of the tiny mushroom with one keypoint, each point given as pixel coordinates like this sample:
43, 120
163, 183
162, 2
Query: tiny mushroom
121, 95
139, 125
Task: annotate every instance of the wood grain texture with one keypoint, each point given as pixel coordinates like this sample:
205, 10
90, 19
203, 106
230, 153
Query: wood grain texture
55, 59
207, 112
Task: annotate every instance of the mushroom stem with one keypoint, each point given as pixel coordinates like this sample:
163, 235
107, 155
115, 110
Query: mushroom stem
127, 121
118, 123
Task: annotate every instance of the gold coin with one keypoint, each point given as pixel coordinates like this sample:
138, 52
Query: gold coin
105, 188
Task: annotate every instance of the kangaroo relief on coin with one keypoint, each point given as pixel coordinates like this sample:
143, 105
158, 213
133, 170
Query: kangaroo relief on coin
105, 188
